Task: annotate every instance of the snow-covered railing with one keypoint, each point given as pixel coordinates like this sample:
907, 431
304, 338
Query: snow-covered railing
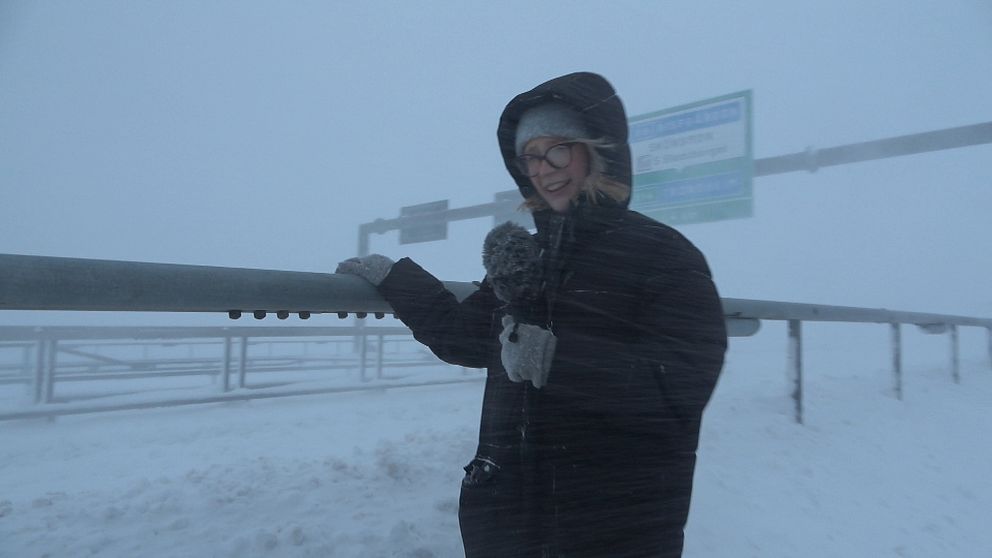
796, 313
97, 354
50, 283
41, 347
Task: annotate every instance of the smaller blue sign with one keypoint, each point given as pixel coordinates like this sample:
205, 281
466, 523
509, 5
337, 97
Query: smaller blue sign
693, 190
707, 117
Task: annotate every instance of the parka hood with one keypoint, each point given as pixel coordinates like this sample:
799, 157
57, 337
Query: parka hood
592, 97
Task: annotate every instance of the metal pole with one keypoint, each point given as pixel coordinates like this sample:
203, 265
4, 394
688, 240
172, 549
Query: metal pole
813, 159
243, 362
897, 358
989, 330
226, 381
26, 366
26, 360
362, 355
50, 371
955, 368
364, 233
795, 366
378, 368
39, 370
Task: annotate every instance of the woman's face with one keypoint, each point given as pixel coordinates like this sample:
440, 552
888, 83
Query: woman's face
558, 187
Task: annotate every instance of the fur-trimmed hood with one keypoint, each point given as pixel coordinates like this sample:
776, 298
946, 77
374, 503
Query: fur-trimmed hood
590, 95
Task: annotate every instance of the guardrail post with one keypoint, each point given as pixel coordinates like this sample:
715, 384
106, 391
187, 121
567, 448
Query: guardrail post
39, 370
362, 347
378, 363
26, 367
44, 375
955, 369
897, 358
26, 360
795, 366
226, 380
48, 391
243, 361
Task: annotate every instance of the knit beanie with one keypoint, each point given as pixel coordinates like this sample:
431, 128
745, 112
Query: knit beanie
552, 120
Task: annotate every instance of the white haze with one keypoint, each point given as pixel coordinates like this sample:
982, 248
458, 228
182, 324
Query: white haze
254, 134
262, 134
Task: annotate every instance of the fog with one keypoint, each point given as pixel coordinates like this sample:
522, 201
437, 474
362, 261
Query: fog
254, 134
262, 134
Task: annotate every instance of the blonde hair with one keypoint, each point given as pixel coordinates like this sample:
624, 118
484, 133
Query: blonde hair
596, 181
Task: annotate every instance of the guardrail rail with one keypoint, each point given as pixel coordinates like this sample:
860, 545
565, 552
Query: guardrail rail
49, 283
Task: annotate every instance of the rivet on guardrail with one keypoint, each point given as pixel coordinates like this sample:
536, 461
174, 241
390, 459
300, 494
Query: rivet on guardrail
361, 315
380, 315
282, 314
342, 315
304, 315
234, 314
259, 314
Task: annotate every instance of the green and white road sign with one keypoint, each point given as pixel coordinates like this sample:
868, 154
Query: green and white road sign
693, 163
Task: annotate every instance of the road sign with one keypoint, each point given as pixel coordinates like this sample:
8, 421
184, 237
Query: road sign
424, 222
693, 163
511, 200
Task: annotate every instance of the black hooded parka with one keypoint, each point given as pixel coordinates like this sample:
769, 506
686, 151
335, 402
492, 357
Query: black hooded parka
599, 462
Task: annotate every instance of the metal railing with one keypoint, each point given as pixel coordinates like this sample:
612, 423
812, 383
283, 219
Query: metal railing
47, 283
226, 355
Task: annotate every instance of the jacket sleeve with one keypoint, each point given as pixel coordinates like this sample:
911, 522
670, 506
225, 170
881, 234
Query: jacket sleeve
457, 332
684, 338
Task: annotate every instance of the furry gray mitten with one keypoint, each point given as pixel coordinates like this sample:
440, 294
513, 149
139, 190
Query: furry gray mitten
527, 351
373, 268
512, 259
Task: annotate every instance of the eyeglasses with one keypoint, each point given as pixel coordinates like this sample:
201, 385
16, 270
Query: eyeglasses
558, 156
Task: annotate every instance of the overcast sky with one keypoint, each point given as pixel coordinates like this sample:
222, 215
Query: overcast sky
261, 134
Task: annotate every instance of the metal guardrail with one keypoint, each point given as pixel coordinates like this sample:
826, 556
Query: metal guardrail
81, 333
43, 370
51, 283
52, 411
48, 342
48, 283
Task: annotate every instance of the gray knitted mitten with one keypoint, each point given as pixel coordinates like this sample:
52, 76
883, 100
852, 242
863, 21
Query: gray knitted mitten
527, 351
373, 268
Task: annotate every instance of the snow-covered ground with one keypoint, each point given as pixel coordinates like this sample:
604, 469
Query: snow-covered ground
376, 473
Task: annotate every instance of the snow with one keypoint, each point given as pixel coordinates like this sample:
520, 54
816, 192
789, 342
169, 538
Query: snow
376, 473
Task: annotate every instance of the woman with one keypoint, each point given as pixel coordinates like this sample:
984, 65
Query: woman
600, 362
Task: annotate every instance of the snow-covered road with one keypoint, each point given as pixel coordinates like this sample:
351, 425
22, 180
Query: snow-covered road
373, 474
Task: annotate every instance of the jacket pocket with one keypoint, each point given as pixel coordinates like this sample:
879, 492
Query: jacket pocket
671, 399
489, 511
479, 472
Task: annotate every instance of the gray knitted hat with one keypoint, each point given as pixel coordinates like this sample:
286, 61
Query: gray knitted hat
549, 119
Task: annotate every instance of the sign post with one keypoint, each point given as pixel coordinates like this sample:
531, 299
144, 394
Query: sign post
693, 163
507, 202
